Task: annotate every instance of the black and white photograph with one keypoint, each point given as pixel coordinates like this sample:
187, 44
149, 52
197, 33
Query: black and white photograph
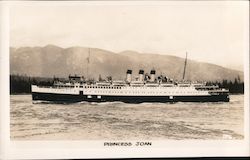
128, 74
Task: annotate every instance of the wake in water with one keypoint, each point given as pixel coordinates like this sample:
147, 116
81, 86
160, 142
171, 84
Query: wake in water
122, 103
44, 120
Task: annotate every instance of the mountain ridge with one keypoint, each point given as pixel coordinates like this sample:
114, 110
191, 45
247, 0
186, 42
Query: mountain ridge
52, 60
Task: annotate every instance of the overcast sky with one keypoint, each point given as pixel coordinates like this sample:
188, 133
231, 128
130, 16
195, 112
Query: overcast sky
211, 31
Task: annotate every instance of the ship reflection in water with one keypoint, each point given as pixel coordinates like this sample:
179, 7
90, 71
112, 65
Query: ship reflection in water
124, 121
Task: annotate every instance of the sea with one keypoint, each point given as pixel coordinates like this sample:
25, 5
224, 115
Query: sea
120, 121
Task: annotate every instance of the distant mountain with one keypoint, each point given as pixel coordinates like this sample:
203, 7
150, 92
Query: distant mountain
52, 61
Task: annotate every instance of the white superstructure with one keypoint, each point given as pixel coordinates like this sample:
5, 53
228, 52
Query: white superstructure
143, 89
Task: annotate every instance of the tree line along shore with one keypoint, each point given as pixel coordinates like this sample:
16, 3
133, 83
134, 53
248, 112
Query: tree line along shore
21, 84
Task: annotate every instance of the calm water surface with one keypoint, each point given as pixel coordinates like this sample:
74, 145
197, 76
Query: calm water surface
121, 121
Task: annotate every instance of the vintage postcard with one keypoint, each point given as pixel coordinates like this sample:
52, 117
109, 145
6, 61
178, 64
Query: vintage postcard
124, 79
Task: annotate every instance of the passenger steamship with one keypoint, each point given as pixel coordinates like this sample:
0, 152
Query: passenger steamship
146, 88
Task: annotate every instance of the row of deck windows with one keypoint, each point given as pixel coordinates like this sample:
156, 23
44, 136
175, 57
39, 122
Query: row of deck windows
108, 87
112, 87
65, 86
135, 92
104, 87
116, 87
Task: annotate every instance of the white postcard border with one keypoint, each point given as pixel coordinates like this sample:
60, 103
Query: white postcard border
95, 149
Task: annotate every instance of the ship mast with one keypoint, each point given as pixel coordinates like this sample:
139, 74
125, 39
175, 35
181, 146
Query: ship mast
184, 67
88, 59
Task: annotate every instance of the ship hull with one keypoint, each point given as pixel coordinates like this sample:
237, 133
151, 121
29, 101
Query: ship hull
71, 98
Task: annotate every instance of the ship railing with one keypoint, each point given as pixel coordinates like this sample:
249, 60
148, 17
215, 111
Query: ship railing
218, 93
103, 84
151, 84
137, 85
64, 84
167, 85
57, 86
220, 90
122, 85
207, 87
215, 92
183, 85
116, 83
198, 84
45, 87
